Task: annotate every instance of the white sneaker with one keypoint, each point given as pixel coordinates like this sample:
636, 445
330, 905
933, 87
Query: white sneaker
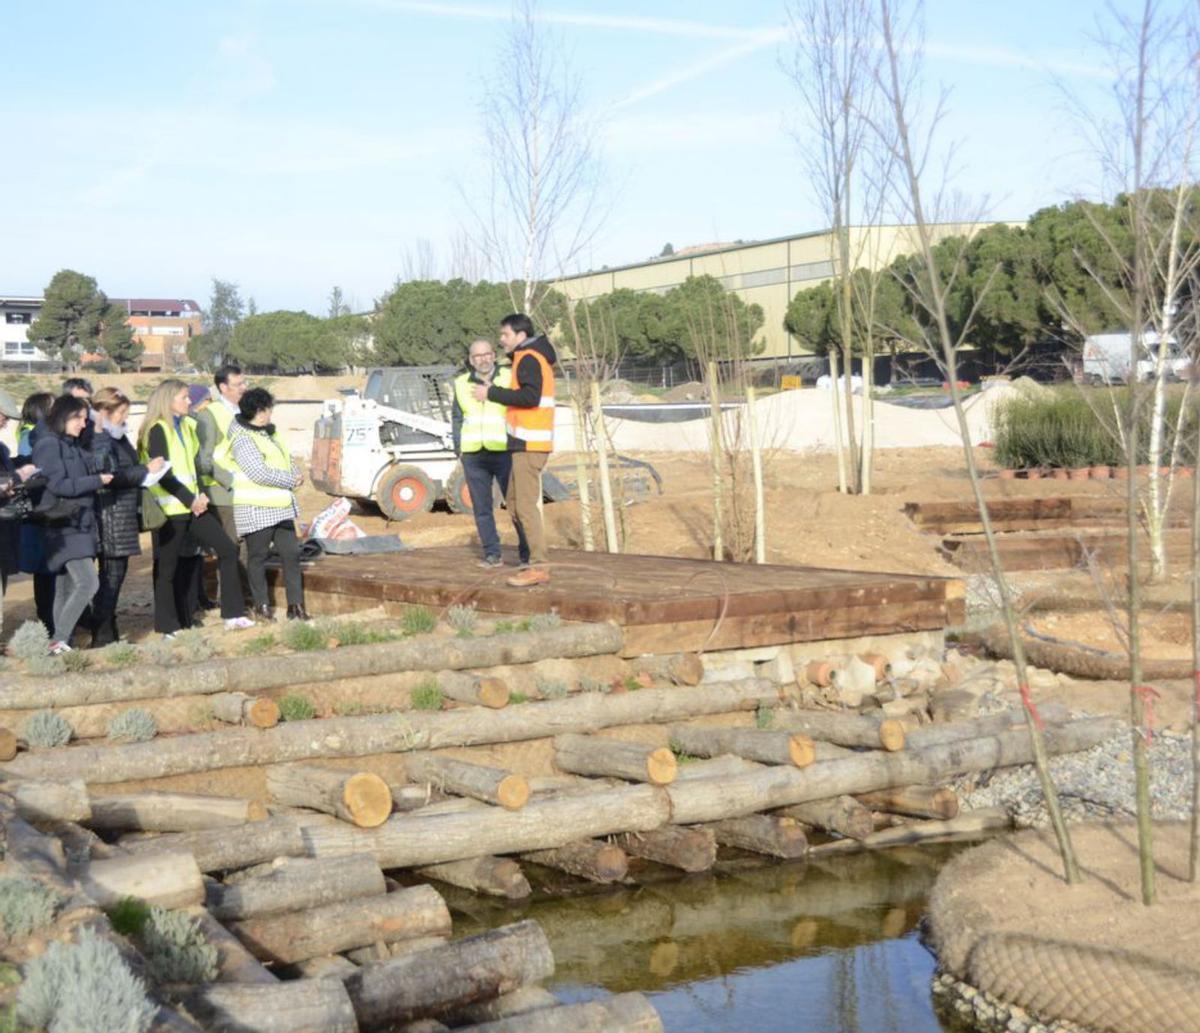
238, 624
58, 648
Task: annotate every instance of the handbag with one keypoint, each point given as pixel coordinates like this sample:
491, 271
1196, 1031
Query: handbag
150, 512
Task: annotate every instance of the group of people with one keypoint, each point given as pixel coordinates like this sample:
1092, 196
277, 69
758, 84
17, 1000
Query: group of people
503, 422
207, 470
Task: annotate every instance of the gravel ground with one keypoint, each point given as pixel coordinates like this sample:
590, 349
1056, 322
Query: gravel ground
1097, 783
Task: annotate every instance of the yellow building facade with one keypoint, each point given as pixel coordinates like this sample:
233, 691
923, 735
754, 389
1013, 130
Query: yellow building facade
768, 273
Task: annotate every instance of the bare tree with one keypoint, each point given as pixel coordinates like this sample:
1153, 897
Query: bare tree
929, 286
834, 66
419, 261
542, 207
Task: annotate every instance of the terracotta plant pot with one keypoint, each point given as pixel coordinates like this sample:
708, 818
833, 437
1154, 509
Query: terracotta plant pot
1120, 473
819, 673
1184, 471
1033, 475
1007, 475
1079, 473
1060, 473
1101, 473
879, 662
1164, 471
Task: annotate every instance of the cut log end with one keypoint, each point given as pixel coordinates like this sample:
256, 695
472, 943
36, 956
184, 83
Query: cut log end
687, 669
891, 734
513, 792
661, 766
263, 713
8, 744
493, 692
368, 799
801, 750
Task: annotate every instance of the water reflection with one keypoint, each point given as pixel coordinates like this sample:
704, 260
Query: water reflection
822, 947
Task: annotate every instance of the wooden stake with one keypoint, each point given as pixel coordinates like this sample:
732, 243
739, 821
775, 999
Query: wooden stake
592, 755
359, 797
716, 450
491, 785
760, 506
583, 477
606, 499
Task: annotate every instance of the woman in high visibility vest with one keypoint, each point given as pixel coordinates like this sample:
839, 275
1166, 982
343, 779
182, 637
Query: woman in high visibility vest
264, 501
168, 432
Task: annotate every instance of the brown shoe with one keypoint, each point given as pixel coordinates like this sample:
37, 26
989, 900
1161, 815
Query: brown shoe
528, 578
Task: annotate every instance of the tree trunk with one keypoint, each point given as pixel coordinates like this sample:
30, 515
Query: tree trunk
623, 1013
297, 1006
258, 674
389, 733
235, 964
689, 849
519, 1002
766, 746
592, 755
296, 884
767, 834
839, 445
170, 880
770, 787
842, 815
479, 689
492, 876
588, 859
238, 708
477, 781
939, 802
677, 668
332, 928
582, 475
606, 498
219, 849
170, 812
968, 823
359, 797
843, 729
413, 840
50, 801
449, 978
716, 452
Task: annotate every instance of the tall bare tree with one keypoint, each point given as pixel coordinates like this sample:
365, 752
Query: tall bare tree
834, 65
899, 30
542, 207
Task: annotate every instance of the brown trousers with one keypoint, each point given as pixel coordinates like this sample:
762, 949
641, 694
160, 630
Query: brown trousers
524, 501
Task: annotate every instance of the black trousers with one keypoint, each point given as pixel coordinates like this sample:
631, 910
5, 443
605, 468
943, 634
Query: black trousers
168, 540
104, 602
258, 545
43, 599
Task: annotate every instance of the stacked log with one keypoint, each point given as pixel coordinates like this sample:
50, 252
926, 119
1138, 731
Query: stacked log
294, 885
170, 812
769, 747
592, 755
475, 781
359, 797
238, 708
477, 689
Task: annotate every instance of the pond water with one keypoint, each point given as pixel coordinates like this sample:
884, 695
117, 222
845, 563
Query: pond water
828, 947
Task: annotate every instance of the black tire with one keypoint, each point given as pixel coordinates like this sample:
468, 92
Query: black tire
458, 498
405, 491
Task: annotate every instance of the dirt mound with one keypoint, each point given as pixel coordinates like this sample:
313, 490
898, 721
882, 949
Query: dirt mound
692, 391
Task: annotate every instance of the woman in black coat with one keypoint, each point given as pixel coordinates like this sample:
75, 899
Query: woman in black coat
116, 506
72, 539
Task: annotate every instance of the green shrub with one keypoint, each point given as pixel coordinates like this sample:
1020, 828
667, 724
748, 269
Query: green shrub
176, 950
46, 666
121, 654
194, 646
631, 683
46, 729
259, 645
354, 633
552, 688
29, 641
84, 987
160, 651
304, 637
764, 717
418, 620
76, 661
587, 684
350, 708
681, 755
503, 627
133, 725
25, 906
427, 696
295, 707
517, 697
129, 916
463, 619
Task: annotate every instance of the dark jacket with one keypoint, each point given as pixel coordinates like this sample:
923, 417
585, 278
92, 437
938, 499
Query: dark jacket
10, 530
527, 373
31, 550
117, 505
71, 473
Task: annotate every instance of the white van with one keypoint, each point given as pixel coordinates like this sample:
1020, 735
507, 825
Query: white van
1106, 358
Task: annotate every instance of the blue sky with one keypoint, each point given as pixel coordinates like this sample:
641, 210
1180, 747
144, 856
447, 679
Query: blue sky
290, 145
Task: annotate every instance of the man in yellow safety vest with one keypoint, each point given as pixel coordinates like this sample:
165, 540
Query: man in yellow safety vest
481, 442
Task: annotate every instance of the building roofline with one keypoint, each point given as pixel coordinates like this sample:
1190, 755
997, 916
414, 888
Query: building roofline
22, 298
725, 249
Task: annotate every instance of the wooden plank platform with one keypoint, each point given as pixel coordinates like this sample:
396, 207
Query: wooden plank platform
1038, 513
665, 604
1048, 551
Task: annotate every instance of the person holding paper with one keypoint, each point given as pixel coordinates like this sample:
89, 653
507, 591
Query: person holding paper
116, 506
